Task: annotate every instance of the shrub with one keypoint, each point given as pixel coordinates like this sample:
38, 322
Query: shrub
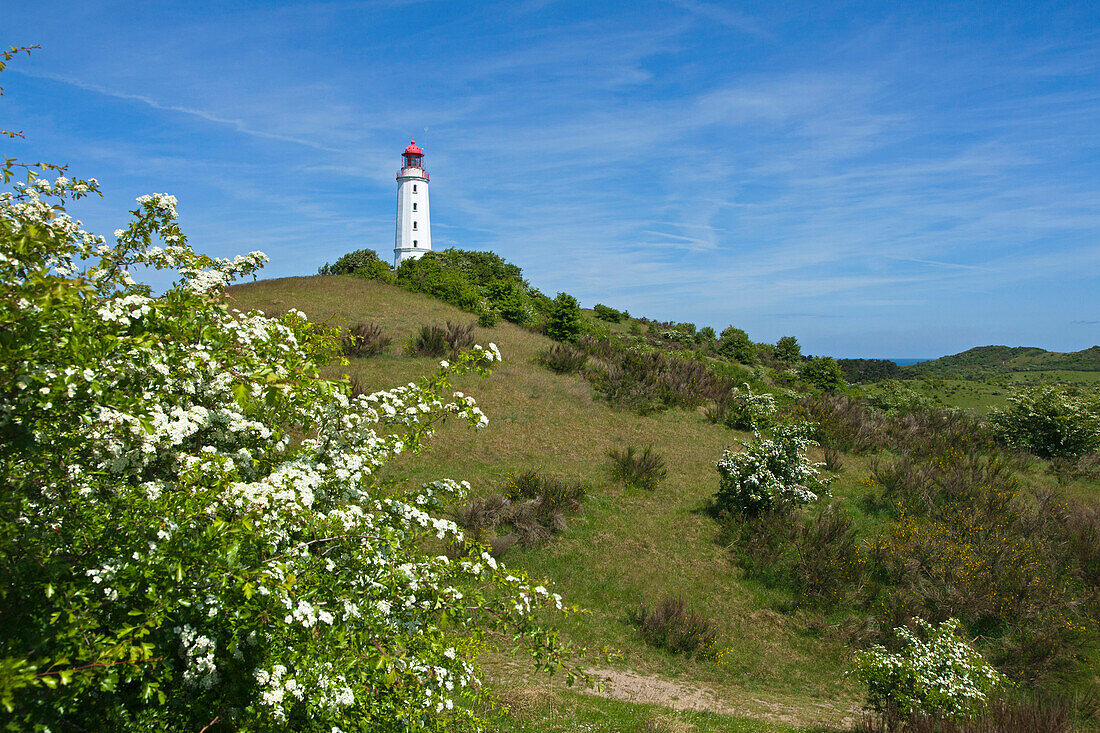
735, 344
744, 409
788, 350
823, 373
644, 469
432, 276
1006, 713
503, 522
364, 340
531, 510
606, 313
564, 322
442, 340
671, 625
772, 473
430, 341
858, 371
173, 554
942, 674
1050, 421
815, 556
842, 422
647, 381
509, 299
563, 359
552, 491
894, 396
834, 458
362, 263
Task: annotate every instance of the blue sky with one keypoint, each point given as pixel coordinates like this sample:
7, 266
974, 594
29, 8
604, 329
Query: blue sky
877, 179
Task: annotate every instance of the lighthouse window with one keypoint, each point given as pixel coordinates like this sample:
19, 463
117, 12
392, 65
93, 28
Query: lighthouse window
414, 188
414, 207
414, 242
414, 225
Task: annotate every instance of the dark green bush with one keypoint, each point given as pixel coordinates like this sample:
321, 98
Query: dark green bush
564, 322
606, 313
787, 349
642, 468
816, 555
823, 373
361, 262
429, 275
509, 298
735, 344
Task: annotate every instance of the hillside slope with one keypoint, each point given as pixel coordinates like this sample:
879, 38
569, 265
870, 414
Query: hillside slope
626, 546
984, 361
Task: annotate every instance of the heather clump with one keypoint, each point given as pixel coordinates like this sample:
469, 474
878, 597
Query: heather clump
643, 468
437, 341
365, 340
563, 359
815, 554
672, 625
532, 508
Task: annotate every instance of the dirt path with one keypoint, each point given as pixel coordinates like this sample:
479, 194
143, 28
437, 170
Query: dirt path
656, 690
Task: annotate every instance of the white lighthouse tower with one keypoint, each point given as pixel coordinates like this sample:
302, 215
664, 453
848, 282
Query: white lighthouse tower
414, 228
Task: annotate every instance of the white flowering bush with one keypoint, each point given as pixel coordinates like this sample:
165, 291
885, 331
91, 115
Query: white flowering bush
771, 473
938, 675
1050, 421
193, 531
750, 410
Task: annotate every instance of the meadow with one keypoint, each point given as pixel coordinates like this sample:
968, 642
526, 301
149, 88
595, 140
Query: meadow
779, 662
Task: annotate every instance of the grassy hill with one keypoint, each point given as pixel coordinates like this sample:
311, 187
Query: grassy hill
781, 665
626, 546
984, 361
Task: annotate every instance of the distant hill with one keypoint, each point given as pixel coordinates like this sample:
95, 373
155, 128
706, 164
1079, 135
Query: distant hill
987, 360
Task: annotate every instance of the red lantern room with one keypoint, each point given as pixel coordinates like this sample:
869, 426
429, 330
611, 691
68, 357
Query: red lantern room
414, 158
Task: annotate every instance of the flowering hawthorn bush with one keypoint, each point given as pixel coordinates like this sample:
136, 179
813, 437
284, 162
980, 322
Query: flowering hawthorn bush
941, 675
770, 473
750, 410
1050, 421
193, 532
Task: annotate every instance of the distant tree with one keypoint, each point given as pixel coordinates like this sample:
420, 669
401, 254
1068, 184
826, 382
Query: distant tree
868, 370
482, 268
824, 373
362, 262
607, 313
510, 299
564, 322
787, 349
430, 276
735, 344
706, 336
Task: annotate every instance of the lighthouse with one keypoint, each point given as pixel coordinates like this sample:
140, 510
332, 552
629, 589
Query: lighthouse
414, 228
